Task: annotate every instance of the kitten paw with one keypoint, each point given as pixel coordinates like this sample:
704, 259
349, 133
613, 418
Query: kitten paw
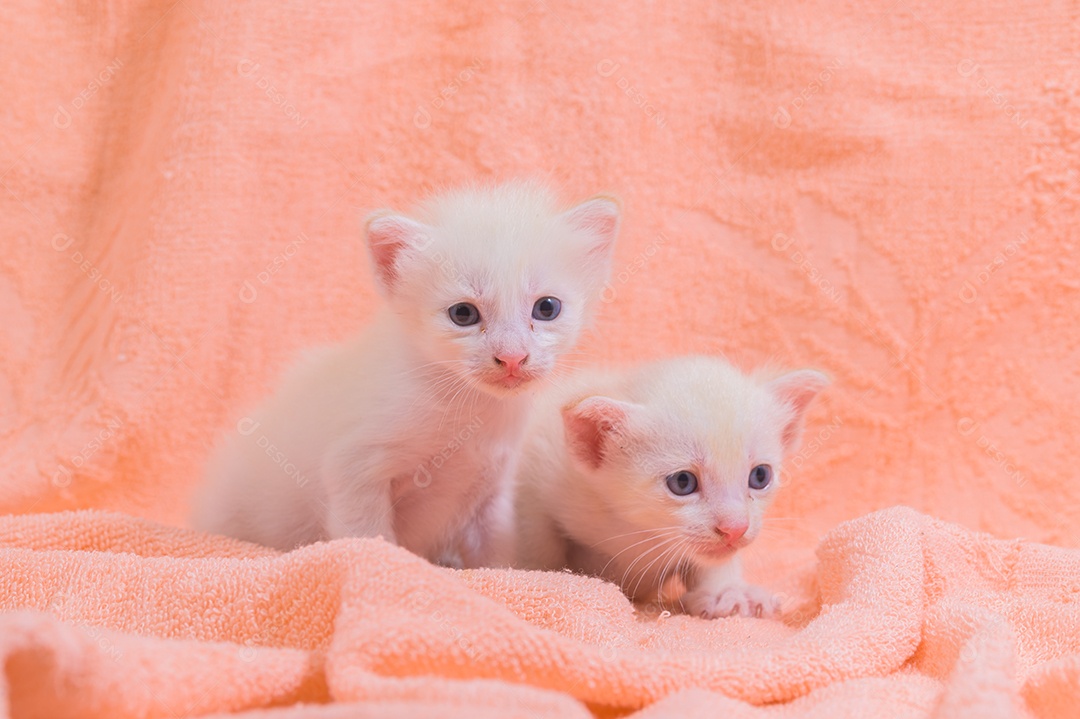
743, 600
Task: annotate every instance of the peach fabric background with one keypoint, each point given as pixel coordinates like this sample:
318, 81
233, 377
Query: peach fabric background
149, 178
886, 192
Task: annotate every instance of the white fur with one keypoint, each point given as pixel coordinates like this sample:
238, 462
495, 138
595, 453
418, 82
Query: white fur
413, 430
593, 494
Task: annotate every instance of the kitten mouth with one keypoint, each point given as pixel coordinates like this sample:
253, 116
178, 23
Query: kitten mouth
509, 382
716, 550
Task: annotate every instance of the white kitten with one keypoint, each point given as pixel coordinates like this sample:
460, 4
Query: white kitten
413, 430
662, 471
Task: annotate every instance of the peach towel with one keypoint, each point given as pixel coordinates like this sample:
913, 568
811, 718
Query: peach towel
904, 615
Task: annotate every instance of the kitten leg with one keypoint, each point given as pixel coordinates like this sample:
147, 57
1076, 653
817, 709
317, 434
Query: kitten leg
719, 591
489, 539
358, 502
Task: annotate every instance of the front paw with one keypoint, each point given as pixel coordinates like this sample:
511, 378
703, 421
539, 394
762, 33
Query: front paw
743, 600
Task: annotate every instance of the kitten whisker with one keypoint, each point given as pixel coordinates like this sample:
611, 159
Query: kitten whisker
437, 380
430, 365
644, 571
465, 385
672, 568
638, 531
439, 389
641, 554
684, 562
670, 551
635, 544
679, 565
657, 547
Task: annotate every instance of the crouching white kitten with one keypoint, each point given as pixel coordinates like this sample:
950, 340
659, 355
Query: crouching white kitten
660, 472
413, 430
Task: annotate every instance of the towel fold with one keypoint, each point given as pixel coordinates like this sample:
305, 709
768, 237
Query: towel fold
119, 617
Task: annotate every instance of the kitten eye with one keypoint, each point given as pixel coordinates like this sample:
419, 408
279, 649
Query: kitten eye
547, 308
760, 476
464, 314
682, 483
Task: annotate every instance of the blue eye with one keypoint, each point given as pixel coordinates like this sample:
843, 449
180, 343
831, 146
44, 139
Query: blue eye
760, 476
682, 483
547, 308
464, 314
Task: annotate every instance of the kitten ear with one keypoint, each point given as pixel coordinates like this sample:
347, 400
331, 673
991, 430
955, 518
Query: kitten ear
391, 238
591, 425
598, 218
796, 390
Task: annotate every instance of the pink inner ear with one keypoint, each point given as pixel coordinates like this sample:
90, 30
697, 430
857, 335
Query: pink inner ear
602, 225
797, 390
589, 426
388, 236
599, 217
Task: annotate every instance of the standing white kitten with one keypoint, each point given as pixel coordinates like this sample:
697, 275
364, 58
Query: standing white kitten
660, 472
413, 430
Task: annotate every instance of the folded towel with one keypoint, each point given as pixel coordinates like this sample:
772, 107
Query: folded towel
903, 615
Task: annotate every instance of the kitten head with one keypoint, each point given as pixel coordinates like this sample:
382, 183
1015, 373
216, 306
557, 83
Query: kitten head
495, 283
692, 451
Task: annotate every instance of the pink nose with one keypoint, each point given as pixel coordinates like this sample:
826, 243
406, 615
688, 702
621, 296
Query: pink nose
511, 362
731, 532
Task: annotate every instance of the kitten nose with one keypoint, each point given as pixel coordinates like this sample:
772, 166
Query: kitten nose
511, 362
732, 531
